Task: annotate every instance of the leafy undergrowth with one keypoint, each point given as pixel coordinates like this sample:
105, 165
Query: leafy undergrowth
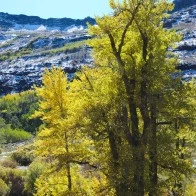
24, 155
67, 47
12, 181
8, 163
15, 181
14, 135
4, 188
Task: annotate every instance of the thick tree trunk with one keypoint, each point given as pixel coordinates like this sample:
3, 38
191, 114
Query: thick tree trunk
153, 173
136, 144
138, 178
135, 140
121, 184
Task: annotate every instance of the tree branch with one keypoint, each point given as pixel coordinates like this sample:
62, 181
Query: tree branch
84, 163
126, 28
164, 123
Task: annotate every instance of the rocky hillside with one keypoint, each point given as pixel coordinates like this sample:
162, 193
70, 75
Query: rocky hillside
18, 22
28, 45
184, 21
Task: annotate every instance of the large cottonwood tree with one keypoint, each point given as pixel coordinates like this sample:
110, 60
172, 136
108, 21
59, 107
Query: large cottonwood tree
133, 42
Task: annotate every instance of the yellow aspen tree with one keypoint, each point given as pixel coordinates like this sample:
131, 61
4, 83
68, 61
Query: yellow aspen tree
59, 142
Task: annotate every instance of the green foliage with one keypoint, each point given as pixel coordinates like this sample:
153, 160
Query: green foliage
14, 179
9, 55
9, 135
13, 135
35, 169
24, 155
16, 110
3, 124
66, 48
4, 189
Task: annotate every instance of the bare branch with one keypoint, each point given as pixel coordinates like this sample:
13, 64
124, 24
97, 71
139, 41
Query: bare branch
164, 123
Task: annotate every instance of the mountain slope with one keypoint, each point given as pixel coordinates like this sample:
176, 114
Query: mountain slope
17, 22
28, 45
184, 21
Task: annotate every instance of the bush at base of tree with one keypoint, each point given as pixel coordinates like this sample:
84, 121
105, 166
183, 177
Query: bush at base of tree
191, 189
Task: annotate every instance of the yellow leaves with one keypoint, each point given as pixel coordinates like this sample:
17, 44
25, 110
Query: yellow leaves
51, 184
112, 4
84, 182
63, 139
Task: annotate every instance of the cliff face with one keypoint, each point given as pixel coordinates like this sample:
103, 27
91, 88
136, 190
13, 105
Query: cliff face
29, 45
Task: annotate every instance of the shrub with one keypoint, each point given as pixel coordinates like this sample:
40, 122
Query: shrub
14, 179
16, 110
8, 163
4, 189
34, 171
11, 136
24, 155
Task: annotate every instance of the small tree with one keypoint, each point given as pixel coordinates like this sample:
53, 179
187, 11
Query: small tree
60, 141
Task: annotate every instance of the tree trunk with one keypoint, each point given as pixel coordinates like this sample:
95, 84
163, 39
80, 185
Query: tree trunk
68, 168
153, 153
69, 177
121, 184
138, 179
135, 140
